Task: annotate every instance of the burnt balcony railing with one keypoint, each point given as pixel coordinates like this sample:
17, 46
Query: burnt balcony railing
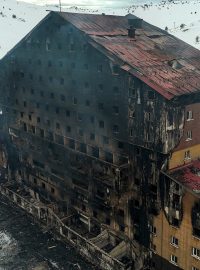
23, 130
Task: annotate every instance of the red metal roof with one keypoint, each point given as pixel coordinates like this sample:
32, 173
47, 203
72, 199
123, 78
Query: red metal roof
165, 63
188, 175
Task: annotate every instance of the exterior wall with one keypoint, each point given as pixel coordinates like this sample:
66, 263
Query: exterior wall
164, 232
178, 157
157, 124
185, 144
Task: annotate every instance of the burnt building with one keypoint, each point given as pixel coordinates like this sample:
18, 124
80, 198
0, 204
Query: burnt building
100, 122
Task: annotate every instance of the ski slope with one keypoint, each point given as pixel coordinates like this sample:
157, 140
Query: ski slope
182, 18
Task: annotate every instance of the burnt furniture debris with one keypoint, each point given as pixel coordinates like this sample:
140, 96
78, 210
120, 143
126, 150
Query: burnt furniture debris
100, 138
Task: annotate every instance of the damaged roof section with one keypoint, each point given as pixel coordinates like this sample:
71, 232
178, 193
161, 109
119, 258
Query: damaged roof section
188, 176
165, 63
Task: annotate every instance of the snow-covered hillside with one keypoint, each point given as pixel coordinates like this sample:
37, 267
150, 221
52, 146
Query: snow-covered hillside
16, 20
182, 18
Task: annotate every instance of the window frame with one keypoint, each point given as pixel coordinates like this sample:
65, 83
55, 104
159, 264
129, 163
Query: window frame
189, 135
173, 241
174, 259
187, 155
189, 115
197, 251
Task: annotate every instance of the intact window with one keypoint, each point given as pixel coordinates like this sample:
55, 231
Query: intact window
152, 229
189, 115
194, 268
174, 259
196, 252
187, 155
189, 135
174, 241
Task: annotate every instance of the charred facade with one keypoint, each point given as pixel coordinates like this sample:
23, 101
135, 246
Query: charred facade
95, 136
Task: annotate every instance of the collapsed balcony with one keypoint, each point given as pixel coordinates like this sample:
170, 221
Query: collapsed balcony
101, 247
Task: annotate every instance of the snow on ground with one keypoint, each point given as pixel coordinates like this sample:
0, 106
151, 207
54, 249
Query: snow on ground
16, 20
181, 17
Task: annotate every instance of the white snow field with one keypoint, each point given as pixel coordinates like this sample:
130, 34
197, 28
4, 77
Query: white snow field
182, 18
16, 20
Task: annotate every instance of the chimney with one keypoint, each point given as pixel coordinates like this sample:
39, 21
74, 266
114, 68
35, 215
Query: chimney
134, 23
131, 31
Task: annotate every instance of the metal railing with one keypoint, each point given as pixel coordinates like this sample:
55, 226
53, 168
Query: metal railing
47, 217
